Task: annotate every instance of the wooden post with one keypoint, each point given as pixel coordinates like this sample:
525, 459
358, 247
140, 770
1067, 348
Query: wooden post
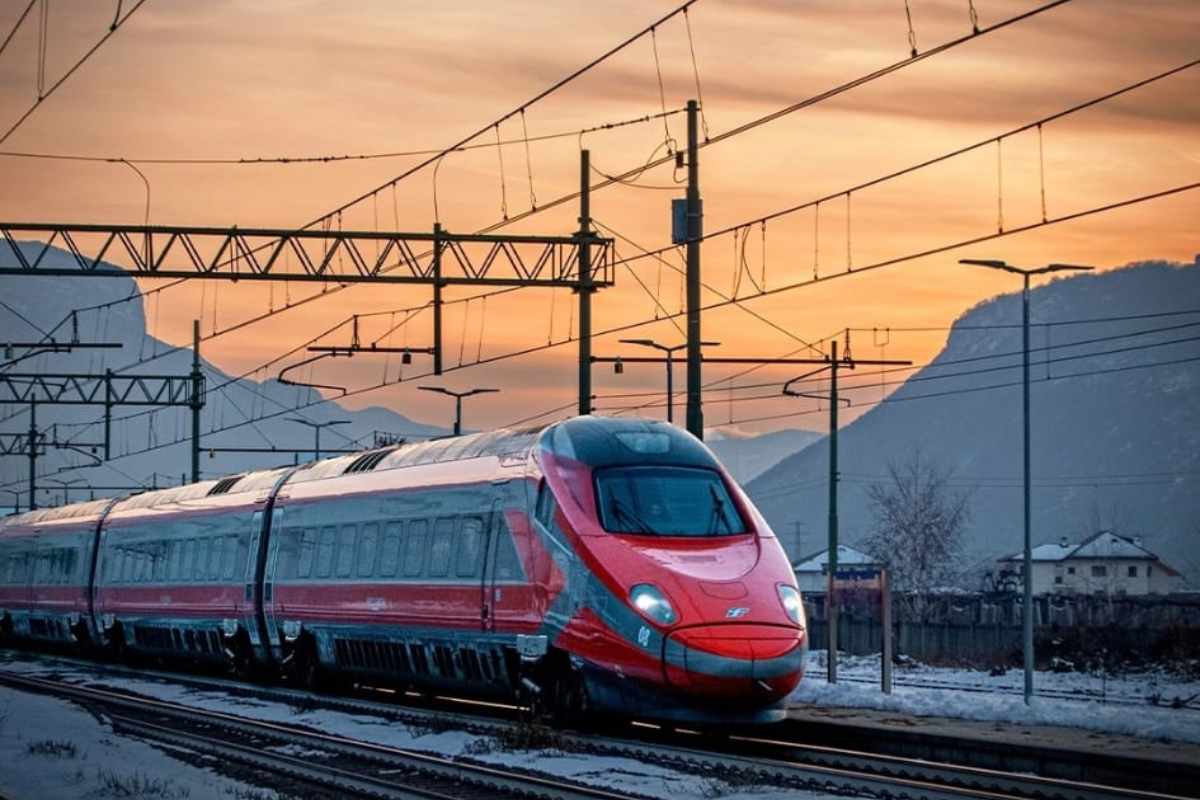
885, 613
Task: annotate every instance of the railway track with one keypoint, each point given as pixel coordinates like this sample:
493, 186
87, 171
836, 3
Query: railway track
348, 766
736, 759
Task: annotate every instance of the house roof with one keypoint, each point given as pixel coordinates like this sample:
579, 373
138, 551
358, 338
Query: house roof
1104, 544
847, 556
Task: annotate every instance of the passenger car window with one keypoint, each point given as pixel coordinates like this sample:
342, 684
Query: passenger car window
325, 552
345, 551
160, 562
439, 551
187, 566
289, 554
389, 551
367, 541
231, 553
470, 547
414, 548
308, 547
172, 561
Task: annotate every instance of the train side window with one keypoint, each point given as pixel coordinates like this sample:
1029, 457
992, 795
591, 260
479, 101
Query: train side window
204, 558
187, 554
160, 562
289, 554
231, 557
345, 550
215, 556
470, 547
325, 551
308, 548
544, 511
368, 540
414, 548
439, 550
389, 551
172, 561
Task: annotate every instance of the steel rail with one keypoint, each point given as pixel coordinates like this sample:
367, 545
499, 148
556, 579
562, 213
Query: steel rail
805, 764
343, 781
494, 779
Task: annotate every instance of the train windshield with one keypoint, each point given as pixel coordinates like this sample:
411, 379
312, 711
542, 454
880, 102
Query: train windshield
666, 501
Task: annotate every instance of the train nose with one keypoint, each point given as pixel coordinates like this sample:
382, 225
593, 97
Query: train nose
747, 662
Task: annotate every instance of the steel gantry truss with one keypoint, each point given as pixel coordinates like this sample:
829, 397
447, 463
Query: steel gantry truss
438, 257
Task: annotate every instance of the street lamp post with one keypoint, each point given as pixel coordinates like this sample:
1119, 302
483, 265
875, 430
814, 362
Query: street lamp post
66, 487
1027, 560
458, 398
670, 351
316, 426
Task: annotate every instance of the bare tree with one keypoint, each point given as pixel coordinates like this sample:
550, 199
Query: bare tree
919, 526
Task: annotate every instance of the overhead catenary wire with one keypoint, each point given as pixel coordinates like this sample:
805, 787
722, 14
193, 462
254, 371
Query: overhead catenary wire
955, 245
45, 93
332, 158
816, 203
727, 134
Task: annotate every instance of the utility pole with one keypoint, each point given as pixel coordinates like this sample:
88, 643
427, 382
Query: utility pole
1027, 561
33, 443
695, 413
833, 363
585, 283
197, 401
833, 514
437, 298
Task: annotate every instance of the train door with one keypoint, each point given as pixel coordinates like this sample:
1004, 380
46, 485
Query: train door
250, 601
269, 575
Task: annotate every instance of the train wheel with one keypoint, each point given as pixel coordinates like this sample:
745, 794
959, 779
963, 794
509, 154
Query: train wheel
306, 669
117, 650
242, 658
571, 704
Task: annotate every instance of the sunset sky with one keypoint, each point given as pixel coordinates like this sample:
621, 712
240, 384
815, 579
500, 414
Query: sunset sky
241, 79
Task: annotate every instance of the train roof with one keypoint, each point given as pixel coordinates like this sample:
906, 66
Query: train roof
595, 440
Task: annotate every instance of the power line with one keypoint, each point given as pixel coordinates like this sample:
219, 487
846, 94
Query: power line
330, 158
116, 25
720, 137
960, 374
938, 159
877, 265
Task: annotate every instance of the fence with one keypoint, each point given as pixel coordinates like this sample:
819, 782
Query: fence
981, 629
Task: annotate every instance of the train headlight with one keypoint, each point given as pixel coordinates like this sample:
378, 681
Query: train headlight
652, 603
792, 604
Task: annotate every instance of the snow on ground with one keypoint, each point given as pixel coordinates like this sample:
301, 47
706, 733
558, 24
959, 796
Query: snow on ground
1002, 705
53, 750
1137, 687
622, 774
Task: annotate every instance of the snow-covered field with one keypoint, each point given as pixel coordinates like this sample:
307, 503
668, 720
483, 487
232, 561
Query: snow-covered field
51, 748
970, 694
61, 720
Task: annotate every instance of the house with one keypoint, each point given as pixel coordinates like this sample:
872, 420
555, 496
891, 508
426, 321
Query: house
810, 570
1103, 564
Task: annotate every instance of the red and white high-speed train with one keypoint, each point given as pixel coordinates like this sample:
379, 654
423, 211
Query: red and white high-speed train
596, 564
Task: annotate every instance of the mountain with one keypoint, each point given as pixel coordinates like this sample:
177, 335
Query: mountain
1113, 444
45, 302
747, 456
